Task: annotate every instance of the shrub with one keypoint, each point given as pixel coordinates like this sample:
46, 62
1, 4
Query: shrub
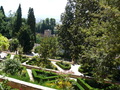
41, 62
63, 65
21, 76
8, 56
12, 66
24, 59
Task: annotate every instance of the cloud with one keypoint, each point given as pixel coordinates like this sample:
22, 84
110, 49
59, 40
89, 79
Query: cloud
42, 8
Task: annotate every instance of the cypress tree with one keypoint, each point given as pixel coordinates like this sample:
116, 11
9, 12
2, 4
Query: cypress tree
18, 22
2, 10
31, 22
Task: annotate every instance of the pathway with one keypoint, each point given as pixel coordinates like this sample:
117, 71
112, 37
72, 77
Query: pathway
60, 69
12, 56
73, 70
30, 75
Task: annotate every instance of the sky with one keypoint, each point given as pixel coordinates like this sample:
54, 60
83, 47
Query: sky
42, 8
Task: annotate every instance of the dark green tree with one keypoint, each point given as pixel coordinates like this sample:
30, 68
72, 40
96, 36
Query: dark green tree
2, 9
26, 39
31, 22
14, 43
18, 22
52, 24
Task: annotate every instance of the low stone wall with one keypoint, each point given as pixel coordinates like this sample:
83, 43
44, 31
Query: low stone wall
21, 85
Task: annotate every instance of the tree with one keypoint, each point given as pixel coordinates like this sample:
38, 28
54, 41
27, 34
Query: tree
4, 43
77, 16
2, 9
14, 43
52, 24
48, 48
26, 39
46, 24
31, 22
18, 22
102, 36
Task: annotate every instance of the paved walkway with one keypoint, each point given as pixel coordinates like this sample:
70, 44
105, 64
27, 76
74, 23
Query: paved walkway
73, 70
12, 56
30, 75
3, 55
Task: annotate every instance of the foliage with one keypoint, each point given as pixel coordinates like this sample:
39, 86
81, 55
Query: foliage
36, 49
21, 58
4, 86
84, 85
12, 66
38, 38
31, 22
43, 76
4, 43
101, 85
18, 22
48, 47
26, 39
40, 62
21, 76
8, 56
64, 65
14, 43
86, 69
46, 24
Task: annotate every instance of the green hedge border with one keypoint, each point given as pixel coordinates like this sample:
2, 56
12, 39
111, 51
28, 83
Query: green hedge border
82, 85
64, 67
42, 79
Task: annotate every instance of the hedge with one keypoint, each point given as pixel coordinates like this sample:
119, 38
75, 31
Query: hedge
84, 85
65, 66
41, 78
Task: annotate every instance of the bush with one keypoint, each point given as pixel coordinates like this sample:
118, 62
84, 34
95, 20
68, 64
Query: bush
34, 61
42, 76
21, 58
21, 76
24, 59
63, 65
41, 62
12, 66
8, 56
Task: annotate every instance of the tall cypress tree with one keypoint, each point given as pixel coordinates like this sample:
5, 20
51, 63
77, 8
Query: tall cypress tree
18, 22
2, 10
31, 22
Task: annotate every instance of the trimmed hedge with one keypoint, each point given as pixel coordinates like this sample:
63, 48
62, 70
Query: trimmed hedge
42, 76
83, 84
79, 87
65, 66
